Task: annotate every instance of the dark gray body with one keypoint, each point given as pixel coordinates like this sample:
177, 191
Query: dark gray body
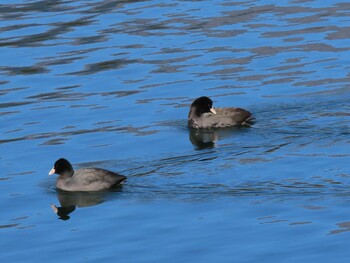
89, 179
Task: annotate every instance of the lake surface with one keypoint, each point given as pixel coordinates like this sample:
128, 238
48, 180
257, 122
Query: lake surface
109, 84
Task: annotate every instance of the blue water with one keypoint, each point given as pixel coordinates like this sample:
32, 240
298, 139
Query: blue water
109, 84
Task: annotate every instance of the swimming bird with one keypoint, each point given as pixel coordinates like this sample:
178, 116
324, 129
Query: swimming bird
203, 115
84, 179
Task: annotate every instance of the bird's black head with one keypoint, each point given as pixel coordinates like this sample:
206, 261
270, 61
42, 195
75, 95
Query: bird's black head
61, 166
201, 105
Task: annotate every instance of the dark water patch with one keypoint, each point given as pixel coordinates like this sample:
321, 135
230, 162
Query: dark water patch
278, 81
293, 39
343, 227
54, 142
261, 77
231, 61
340, 33
39, 39
120, 93
300, 65
89, 40
308, 30
67, 95
60, 96
33, 40
77, 52
9, 226
101, 145
109, 6
139, 131
103, 66
168, 69
69, 87
5, 113
165, 62
14, 104
5, 178
24, 70
325, 81
16, 27
321, 47
230, 72
168, 102
49, 61
38, 6
10, 90
163, 85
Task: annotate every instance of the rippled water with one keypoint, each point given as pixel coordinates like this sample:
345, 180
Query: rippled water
108, 84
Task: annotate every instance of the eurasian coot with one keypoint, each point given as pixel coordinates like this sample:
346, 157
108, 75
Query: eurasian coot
203, 115
84, 179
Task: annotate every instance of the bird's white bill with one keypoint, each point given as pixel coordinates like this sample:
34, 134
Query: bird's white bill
52, 171
213, 110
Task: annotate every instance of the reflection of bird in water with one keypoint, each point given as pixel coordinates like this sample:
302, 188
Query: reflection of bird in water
63, 212
70, 200
203, 139
206, 139
84, 179
203, 115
